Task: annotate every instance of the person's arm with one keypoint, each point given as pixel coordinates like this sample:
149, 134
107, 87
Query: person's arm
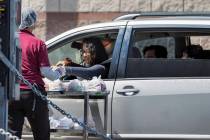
86, 73
44, 64
50, 73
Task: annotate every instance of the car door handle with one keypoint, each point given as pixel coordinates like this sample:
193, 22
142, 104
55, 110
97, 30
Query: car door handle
128, 92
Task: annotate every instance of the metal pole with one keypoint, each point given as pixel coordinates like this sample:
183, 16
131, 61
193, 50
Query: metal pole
3, 110
86, 112
105, 113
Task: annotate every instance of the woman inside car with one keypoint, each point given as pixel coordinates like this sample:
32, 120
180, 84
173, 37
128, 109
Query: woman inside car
92, 54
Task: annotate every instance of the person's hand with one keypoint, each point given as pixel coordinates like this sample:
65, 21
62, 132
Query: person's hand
61, 70
46, 86
60, 63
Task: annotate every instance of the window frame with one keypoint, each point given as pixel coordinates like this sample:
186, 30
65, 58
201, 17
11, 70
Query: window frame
91, 32
126, 45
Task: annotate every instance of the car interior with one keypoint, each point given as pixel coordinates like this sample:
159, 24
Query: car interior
72, 50
195, 44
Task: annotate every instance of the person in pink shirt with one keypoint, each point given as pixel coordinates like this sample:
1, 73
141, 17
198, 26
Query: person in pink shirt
35, 66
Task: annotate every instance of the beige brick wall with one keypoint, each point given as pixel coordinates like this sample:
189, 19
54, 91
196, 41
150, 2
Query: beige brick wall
63, 21
76, 11
40, 7
135, 5
122, 5
197, 5
167, 5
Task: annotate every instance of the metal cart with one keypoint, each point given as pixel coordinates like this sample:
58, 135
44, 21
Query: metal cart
87, 96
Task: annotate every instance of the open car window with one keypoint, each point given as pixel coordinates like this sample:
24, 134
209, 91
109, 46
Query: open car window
73, 49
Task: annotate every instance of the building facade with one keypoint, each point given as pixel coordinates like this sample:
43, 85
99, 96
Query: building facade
57, 16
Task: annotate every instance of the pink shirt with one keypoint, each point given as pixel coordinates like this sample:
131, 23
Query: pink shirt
34, 56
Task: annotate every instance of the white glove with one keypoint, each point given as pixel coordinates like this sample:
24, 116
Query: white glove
61, 70
52, 73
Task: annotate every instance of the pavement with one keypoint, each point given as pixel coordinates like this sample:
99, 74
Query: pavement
54, 137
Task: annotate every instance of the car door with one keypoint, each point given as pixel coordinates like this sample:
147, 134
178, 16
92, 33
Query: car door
165, 98
60, 47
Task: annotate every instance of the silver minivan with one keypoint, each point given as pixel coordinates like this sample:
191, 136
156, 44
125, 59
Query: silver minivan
150, 98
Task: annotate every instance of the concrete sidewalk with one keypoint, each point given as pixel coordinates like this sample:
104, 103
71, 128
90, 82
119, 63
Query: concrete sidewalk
54, 137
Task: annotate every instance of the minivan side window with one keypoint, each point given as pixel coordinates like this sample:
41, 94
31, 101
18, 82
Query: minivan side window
167, 54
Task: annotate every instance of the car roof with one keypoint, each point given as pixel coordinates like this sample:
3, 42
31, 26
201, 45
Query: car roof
185, 20
87, 27
144, 22
133, 16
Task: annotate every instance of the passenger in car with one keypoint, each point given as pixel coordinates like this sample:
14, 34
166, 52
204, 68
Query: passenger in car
108, 44
192, 51
92, 54
155, 51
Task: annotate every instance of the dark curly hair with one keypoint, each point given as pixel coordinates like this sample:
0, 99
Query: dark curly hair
160, 51
97, 51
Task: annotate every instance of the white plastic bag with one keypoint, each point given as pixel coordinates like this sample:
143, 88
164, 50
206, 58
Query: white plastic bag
91, 123
65, 123
96, 84
55, 85
75, 85
54, 123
